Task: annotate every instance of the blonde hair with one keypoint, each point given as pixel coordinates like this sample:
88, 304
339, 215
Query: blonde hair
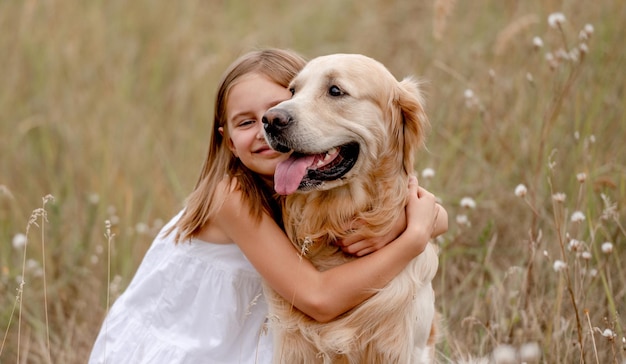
203, 203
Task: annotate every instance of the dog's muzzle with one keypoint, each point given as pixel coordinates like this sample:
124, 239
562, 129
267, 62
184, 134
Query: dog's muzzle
275, 121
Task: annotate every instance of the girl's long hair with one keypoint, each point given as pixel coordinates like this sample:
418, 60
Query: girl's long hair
279, 66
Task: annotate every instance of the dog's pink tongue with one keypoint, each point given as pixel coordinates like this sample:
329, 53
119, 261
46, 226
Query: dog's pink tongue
289, 173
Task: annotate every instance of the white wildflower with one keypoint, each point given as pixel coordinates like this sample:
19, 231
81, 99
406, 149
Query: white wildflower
559, 197
574, 54
93, 198
33, 267
529, 77
583, 48
608, 333
537, 42
562, 54
469, 94
504, 354
574, 245
428, 173
586, 255
556, 19
587, 30
577, 216
468, 203
141, 228
581, 177
114, 220
530, 352
520, 190
115, 286
31, 264
582, 36
559, 265
593, 272
607, 247
462, 220
19, 241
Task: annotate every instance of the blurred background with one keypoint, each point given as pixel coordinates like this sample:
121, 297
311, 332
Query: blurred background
105, 115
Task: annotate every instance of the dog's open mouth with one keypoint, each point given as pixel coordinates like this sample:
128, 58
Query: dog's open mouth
305, 171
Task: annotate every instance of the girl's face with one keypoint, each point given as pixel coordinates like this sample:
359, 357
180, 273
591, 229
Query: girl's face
248, 100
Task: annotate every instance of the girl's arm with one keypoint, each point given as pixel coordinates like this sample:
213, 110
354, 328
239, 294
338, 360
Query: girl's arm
359, 247
325, 295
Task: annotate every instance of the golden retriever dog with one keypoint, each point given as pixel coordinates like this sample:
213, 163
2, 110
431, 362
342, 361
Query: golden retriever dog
353, 130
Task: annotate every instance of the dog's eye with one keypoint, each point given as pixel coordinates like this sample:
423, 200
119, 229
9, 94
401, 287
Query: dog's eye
293, 91
335, 91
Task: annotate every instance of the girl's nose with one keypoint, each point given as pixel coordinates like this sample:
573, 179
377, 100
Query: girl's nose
259, 131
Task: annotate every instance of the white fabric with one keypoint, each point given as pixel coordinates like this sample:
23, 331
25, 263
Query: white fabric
194, 303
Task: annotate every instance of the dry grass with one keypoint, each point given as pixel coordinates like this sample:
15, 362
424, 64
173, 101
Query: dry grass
103, 103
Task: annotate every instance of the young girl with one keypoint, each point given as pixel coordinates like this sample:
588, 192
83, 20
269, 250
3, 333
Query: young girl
197, 295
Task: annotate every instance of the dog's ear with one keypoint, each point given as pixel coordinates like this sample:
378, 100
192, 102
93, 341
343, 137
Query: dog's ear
412, 122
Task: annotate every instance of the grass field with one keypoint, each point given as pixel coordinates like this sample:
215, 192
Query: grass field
106, 106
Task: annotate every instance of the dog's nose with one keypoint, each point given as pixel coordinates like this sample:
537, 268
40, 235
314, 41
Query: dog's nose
276, 119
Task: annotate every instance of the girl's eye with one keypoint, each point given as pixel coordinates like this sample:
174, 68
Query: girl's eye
335, 91
246, 122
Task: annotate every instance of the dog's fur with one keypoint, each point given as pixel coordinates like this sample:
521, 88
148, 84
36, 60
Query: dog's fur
338, 100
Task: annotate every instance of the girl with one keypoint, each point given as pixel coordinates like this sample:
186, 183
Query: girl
197, 295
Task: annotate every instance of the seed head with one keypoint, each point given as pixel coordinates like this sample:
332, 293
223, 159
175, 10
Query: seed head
574, 245
428, 173
530, 352
559, 197
555, 20
609, 334
537, 42
93, 198
577, 216
504, 354
463, 220
468, 203
559, 265
520, 190
586, 32
607, 247
19, 241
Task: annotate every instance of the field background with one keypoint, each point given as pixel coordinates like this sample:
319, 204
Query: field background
106, 106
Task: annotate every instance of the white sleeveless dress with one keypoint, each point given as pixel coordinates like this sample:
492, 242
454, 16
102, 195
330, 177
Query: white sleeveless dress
193, 303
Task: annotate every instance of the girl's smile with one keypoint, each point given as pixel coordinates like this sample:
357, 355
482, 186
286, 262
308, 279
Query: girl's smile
248, 100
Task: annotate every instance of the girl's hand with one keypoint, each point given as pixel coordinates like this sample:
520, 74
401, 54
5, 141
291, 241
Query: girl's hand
359, 246
422, 213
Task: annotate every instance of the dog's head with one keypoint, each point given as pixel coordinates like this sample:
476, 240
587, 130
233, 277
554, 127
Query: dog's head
348, 116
